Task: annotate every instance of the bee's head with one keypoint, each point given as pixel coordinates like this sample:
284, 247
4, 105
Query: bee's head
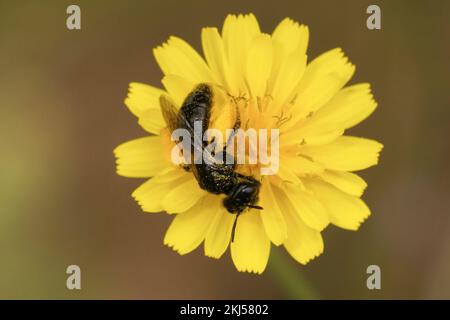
243, 194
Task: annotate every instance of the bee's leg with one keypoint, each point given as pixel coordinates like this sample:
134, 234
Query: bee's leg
237, 125
213, 145
233, 230
227, 155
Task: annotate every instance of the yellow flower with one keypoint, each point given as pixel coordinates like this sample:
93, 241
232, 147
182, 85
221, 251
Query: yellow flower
307, 102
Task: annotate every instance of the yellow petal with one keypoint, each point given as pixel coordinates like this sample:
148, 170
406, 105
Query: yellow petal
345, 153
150, 194
303, 243
214, 51
317, 135
292, 36
188, 229
142, 97
289, 176
143, 102
183, 196
238, 33
259, 65
178, 88
346, 181
278, 59
219, 234
251, 247
283, 83
223, 114
322, 79
307, 207
345, 211
140, 158
271, 215
178, 58
347, 108
171, 174
301, 165
290, 41
152, 121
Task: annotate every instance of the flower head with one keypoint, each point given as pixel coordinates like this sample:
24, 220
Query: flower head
268, 79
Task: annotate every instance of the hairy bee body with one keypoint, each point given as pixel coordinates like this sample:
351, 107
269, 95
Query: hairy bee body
215, 177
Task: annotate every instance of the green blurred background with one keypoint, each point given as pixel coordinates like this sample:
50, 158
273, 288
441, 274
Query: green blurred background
62, 113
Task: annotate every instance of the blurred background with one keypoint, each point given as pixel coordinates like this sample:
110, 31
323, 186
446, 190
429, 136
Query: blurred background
62, 113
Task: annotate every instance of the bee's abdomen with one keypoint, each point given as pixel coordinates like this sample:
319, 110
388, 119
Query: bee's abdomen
217, 179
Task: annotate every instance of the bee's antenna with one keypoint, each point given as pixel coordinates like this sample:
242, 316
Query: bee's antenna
234, 226
255, 207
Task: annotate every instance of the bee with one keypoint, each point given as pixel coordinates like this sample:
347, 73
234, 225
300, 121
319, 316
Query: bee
217, 177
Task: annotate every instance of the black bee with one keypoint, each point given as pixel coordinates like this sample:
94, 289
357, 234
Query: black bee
217, 177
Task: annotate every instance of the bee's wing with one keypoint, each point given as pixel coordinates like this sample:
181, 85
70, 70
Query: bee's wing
169, 112
171, 118
194, 170
174, 121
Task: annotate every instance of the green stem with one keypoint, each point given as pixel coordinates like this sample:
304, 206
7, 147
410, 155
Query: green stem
290, 278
